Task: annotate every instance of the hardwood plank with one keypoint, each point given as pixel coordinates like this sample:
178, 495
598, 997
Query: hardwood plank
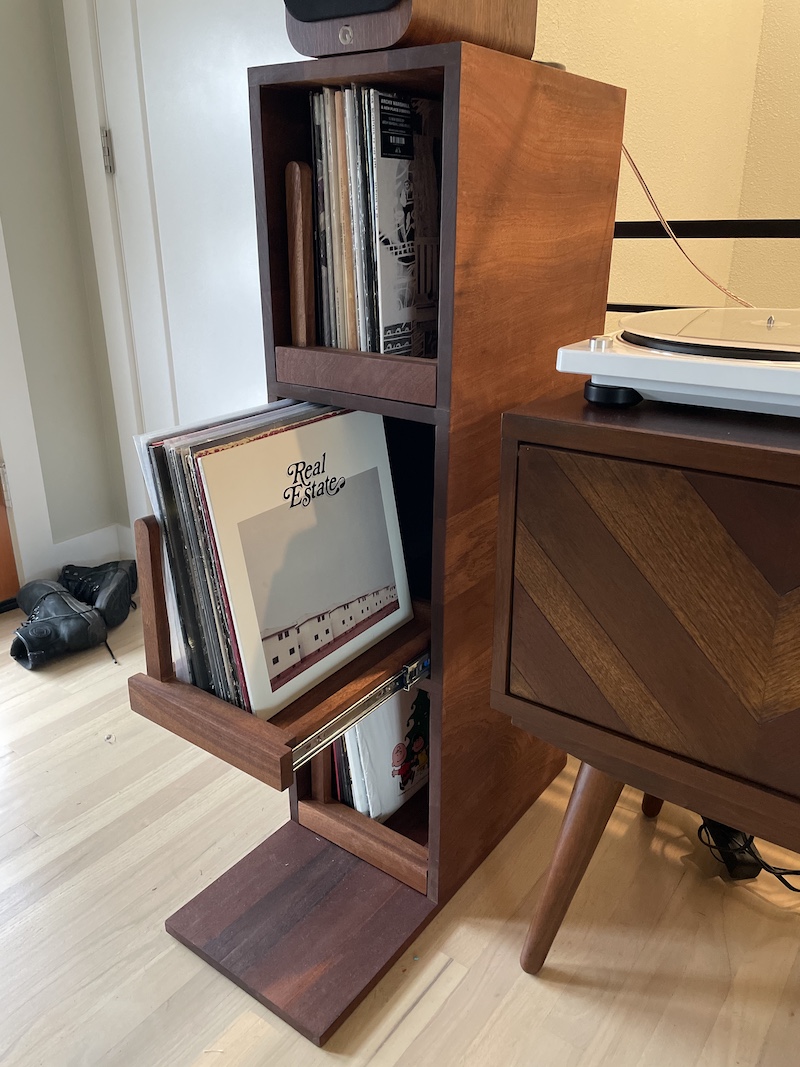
782, 690
738, 443
281, 923
688, 557
689, 692
401, 378
241, 739
549, 670
530, 235
262, 748
592, 648
150, 566
371, 841
322, 776
511, 29
763, 519
733, 801
634, 972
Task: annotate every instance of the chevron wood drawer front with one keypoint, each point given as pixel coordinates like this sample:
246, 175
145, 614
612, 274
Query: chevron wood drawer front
661, 604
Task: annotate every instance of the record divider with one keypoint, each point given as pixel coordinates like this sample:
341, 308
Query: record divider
309, 921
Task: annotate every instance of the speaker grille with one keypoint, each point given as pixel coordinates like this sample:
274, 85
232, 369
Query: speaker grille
319, 10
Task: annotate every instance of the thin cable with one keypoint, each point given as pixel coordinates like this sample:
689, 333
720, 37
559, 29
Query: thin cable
670, 231
749, 848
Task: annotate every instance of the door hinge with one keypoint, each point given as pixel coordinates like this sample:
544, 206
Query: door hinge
108, 150
5, 492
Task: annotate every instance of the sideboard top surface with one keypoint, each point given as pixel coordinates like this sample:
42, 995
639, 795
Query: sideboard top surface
740, 443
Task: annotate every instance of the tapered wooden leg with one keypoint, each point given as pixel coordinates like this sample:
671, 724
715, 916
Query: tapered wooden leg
594, 797
651, 806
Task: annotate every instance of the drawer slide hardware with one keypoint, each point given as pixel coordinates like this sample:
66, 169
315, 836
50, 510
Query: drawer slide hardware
404, 680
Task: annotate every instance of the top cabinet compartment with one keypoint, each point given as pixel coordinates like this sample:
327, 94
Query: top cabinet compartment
530, 161
282, 133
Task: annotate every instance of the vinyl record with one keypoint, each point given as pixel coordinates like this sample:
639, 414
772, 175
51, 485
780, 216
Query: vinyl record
726, 333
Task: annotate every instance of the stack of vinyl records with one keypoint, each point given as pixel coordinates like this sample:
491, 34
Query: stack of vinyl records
283, 547
377, 175
382, 761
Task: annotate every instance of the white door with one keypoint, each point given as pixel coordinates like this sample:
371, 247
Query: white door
175, 225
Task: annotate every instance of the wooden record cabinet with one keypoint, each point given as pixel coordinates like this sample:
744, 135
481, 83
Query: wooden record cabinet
309, 921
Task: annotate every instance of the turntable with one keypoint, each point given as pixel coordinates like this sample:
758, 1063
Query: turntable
747, 359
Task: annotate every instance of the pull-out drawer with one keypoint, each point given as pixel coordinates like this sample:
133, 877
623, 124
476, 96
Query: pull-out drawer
662, 604
270, 750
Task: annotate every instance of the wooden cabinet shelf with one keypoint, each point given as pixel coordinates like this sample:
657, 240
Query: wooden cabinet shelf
373, 841
401, 378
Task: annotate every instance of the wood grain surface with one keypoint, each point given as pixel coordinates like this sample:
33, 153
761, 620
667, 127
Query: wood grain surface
533, 194
369, 840
263, 747
503, 25
530, 161
674, 624
594, 797
303, 926
236, 736
300, 223
704, 440
401, 378
638, 600
150, 567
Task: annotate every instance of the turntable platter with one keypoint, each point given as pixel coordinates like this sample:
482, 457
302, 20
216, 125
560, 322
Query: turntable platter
725, 333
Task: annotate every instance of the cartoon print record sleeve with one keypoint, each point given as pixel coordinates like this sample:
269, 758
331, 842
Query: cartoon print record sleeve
305, 528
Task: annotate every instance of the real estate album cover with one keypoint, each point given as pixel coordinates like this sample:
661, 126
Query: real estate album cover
306, 531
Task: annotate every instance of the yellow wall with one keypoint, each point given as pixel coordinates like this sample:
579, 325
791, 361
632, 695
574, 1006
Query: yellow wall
768, 272
690, 68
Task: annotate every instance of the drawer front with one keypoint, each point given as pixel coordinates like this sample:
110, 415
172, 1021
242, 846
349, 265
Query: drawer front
662, 604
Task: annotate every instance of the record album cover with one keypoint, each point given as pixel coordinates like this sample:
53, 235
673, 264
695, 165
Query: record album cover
304, 525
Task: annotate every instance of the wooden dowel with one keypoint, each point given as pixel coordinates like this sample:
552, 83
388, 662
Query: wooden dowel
300, 220
149, 561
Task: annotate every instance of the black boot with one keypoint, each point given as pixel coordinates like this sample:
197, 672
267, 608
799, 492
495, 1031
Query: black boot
57, 623
108, 587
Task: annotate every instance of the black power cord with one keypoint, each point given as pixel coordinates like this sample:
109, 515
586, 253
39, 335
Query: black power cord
738, 852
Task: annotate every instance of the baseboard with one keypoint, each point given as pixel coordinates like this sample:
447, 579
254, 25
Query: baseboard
7, 605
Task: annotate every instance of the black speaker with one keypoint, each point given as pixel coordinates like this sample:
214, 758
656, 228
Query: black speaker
317, 10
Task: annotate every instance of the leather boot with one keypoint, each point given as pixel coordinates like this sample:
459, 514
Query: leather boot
108, 587
57, 624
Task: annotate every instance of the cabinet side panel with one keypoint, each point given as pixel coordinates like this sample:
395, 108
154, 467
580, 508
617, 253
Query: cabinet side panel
538, 167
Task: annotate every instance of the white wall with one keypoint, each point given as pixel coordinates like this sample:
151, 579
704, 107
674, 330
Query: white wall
73, 449
177, 222
194, 60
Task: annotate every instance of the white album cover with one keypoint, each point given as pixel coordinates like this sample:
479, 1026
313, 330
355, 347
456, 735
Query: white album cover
305, 528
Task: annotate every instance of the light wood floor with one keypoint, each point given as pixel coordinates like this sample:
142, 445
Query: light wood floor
108, 824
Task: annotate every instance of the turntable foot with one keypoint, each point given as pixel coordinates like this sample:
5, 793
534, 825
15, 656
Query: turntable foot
618, 396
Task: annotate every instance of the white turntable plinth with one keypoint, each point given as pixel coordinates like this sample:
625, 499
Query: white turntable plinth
742, 358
